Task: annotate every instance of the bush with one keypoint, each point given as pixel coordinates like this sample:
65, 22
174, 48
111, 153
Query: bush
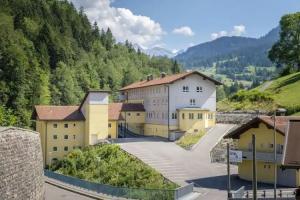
109, 164
252, 96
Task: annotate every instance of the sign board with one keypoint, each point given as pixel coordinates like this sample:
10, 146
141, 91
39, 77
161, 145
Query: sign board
291, 153
235, 156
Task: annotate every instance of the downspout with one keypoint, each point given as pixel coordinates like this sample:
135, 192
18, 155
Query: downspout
125, 131
168, 111
46, 135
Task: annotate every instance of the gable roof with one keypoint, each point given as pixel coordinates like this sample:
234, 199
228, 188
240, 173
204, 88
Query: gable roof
65, 113
281, 125
167, 80
73, 113
291, 153
115, 109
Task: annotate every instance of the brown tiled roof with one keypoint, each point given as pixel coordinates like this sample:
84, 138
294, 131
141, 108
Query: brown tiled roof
70, 113
115, 109
167, 80
281, 125
67, 113
291, 155
133, 107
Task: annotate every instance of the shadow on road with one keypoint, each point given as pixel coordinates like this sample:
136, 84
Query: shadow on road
220, 183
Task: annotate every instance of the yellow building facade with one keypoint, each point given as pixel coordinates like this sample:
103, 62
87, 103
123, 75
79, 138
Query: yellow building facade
64, 128
263, 129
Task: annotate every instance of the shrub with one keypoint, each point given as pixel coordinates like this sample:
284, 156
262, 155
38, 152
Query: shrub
252, 96
109, 164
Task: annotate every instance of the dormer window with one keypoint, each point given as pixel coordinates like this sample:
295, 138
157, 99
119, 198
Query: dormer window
199, 89
185, 88
192, 102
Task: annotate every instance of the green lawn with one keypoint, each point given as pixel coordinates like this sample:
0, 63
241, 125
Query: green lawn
284, 90
189, 139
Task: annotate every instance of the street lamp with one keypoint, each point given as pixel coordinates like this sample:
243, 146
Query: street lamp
281, 112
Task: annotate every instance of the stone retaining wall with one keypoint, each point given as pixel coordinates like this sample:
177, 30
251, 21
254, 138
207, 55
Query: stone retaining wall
236, 117
21, 165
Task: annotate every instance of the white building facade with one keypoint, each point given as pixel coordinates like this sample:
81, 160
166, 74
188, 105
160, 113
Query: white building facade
166, 96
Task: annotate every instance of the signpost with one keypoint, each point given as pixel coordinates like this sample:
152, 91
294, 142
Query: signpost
235, 156
232, 157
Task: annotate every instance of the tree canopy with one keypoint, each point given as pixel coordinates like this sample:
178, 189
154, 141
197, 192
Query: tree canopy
286, 51
51, 54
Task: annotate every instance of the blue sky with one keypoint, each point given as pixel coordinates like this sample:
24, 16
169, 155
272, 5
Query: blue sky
178, 24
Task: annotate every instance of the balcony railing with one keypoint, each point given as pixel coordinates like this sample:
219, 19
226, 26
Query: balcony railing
262, 156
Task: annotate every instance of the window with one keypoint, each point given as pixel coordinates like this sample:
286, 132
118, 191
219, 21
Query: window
109, 136
66, 125
66, 148
199, 89
66, 137
54, 137
54, 125
109, 125
200, 116
185, 88
138, 114
192, 102
74, 136
74, 125
271, 145
174, 115
191, 115
54, 160
54, 148
182, 115
128, 114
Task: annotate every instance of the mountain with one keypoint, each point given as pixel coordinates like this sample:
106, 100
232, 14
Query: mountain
223, 48
157, 51
233, 58
281, 92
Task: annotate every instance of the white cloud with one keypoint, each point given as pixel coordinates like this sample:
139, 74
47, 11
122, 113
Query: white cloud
238, 30
184, 30
219, 34
125, 25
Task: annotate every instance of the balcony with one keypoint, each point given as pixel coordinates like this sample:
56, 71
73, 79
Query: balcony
262, 156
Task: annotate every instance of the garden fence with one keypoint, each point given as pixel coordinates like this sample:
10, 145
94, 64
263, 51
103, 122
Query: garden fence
123, 192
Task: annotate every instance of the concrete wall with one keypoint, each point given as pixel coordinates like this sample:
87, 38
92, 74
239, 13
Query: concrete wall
21, 165
113, 129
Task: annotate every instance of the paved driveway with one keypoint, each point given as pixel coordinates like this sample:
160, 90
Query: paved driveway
183, 166
56, 193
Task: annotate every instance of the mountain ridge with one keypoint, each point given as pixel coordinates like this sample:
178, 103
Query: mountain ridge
204, 54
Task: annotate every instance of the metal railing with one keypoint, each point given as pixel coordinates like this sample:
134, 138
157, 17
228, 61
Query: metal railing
265, 195
123, 192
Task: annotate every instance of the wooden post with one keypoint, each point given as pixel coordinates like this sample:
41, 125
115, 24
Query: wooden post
228, 174
254, 177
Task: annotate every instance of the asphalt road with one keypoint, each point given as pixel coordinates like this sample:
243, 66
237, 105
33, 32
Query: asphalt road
182, 166
56, 193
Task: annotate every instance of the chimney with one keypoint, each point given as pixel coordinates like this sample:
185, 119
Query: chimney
149, 77
163, 74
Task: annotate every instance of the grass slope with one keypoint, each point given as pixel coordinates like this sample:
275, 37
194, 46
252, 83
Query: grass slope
285, 92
